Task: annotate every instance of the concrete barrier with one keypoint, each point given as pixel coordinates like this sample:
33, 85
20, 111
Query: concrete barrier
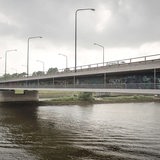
11, 96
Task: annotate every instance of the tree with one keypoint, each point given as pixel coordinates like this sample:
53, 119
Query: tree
39, 73
14, 75
52, 70
23, 74
7, 76
85, 96
66, 69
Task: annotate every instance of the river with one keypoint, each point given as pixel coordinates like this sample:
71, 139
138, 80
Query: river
126, 131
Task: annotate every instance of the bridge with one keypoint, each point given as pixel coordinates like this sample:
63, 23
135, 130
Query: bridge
135, 75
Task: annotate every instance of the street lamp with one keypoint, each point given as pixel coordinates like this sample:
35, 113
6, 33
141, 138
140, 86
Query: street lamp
28, 52
42, 64
6, 59
66, 59
102, 50
83, 9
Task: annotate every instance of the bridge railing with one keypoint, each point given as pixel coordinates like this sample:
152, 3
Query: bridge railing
108, 64
90, 86
115, 62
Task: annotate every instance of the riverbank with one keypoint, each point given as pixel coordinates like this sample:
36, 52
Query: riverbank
72, 98
84, 98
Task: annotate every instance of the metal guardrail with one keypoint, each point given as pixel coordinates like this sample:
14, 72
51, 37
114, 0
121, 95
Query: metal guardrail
116, 62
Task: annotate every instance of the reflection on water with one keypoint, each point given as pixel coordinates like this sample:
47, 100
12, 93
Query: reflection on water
98, 132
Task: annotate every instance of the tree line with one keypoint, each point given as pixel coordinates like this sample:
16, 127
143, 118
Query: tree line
24, 74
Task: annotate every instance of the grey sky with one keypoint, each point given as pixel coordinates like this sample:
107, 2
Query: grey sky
126, 28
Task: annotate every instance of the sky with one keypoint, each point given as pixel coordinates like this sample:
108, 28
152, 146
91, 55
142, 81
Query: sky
126, 29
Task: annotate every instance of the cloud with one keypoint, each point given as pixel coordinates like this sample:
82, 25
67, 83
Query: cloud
116, 24
132, 23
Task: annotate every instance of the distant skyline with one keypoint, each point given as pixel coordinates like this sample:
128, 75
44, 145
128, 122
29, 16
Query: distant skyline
126, 28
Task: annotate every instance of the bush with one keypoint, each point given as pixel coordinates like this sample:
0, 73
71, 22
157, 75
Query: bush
85, 96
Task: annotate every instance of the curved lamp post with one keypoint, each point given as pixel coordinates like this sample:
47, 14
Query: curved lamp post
66, 59
102, 50
83, 9
6, 59
28, 52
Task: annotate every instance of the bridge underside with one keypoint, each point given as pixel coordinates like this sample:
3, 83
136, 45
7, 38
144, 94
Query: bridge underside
11, 96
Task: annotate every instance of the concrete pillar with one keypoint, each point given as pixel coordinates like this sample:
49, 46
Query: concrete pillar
104, 80
53, 82
74, 82
11, 96
154, 78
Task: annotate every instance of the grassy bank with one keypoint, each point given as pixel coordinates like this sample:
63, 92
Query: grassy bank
71, 98
56, 94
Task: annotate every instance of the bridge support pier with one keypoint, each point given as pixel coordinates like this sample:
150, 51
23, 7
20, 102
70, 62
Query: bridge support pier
11, 96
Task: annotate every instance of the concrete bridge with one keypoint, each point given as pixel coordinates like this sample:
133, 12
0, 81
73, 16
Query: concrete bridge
135, 75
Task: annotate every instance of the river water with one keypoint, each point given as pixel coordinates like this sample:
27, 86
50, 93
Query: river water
94, 132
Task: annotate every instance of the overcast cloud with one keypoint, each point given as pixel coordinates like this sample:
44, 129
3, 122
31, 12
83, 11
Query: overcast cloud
126, 28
